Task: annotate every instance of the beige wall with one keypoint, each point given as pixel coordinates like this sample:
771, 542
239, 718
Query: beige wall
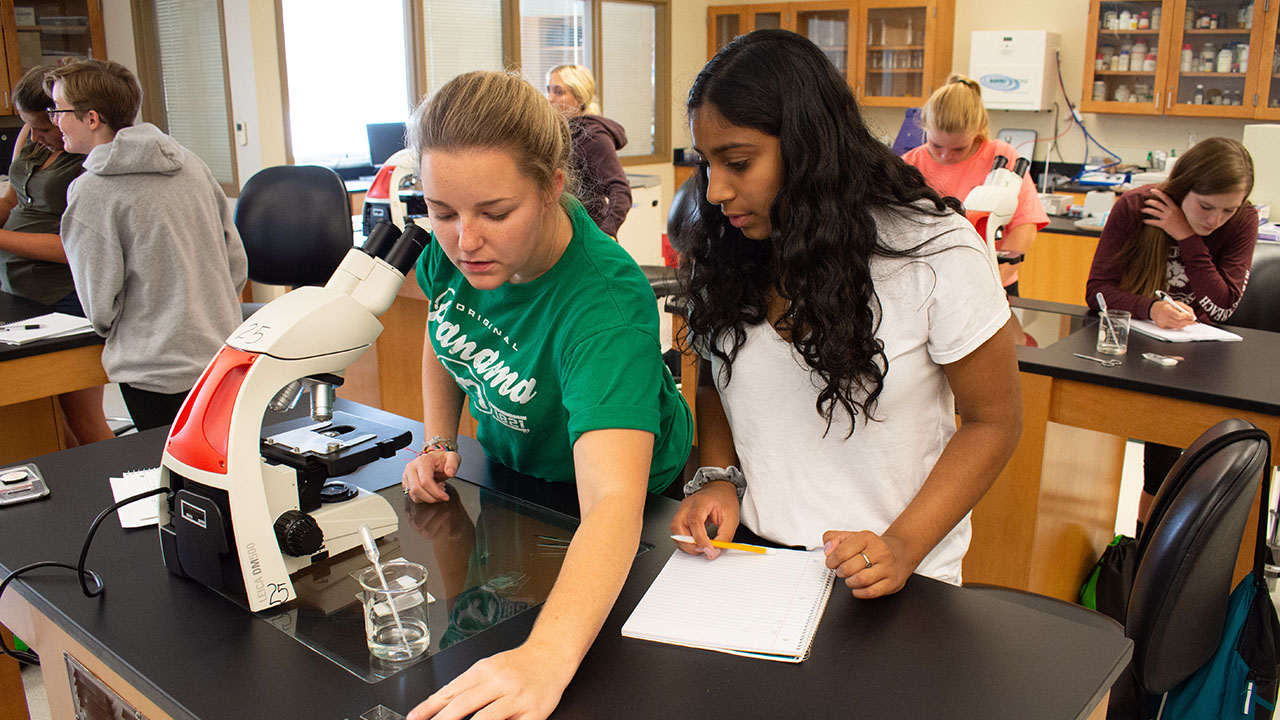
255, 80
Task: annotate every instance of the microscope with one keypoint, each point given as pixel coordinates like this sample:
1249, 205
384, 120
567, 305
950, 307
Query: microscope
992, 204
245, 512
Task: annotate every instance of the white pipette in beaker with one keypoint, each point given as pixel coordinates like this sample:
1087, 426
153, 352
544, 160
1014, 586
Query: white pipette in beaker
371, 552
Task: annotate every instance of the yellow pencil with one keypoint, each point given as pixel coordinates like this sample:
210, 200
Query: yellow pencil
727, 545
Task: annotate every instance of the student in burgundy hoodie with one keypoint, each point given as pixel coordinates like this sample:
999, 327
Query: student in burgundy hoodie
1192, 237
602, 185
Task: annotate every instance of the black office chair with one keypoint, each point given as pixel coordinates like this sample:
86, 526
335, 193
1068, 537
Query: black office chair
1187, 553
1186, 557
295, 222
1259, 307
682, 215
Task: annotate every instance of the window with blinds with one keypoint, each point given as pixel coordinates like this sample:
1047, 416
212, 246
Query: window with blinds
460, 37
553, 33
346, 66
628, 78
192, 69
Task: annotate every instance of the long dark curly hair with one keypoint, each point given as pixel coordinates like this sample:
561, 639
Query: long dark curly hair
818, 256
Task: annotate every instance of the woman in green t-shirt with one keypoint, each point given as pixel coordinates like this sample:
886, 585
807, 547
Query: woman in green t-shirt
550, 331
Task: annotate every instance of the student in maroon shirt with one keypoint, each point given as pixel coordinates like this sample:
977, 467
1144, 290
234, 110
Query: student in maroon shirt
1192, 237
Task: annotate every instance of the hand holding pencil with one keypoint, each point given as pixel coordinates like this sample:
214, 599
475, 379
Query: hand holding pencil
1169, 313
715, 504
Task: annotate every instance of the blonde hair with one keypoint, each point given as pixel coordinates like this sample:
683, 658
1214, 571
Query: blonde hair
956, 107
499, 111
582, 84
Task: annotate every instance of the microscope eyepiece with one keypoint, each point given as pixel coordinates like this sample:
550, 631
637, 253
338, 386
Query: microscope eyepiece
381, 239
999, 162
404, 255
1020, 166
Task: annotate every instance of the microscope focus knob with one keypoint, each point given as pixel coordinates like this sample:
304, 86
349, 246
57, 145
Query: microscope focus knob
298, 533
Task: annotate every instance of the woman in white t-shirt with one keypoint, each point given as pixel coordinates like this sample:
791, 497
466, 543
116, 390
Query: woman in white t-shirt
847, 314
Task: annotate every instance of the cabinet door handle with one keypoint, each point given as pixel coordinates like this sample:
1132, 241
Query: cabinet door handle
1157, 102
1168, 102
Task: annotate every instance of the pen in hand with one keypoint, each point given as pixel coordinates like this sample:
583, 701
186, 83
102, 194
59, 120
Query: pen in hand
1162, 295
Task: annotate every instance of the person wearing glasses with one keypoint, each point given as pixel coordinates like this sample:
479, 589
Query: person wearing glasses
602, 184
33, 264
148, 233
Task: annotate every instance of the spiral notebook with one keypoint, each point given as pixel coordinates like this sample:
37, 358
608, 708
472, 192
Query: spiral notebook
762, 606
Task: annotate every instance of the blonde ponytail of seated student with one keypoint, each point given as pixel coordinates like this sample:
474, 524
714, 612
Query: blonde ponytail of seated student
494, 111
956, 107
1212, 166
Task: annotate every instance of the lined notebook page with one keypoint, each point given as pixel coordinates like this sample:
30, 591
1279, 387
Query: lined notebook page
765, 606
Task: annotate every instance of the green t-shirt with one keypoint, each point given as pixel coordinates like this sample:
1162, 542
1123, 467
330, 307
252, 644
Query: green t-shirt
574, 350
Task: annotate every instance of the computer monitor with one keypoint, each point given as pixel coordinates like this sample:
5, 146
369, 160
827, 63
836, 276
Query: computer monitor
385, 140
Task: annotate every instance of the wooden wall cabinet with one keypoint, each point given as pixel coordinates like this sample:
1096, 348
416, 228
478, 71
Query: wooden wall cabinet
47, 32
1194, 58
893, 53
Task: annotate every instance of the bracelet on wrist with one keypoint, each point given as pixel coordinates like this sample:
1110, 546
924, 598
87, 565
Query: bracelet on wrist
440, 443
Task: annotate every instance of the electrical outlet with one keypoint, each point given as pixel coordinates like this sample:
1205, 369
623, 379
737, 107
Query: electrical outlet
242, 133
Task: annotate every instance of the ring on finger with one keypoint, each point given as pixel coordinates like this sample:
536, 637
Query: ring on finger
866, 560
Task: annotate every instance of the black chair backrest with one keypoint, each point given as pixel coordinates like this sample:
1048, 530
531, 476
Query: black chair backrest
682, 215
1259, 307
295, 222
1188, 552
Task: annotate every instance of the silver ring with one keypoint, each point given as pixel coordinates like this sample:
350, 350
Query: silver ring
865, 559
406, 491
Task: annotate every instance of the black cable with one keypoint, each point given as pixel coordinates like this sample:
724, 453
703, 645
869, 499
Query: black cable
81, 573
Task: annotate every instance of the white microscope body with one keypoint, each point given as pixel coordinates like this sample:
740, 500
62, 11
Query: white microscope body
992, 204
234, 520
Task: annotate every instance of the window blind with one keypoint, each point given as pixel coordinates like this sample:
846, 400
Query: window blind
189, 37
460, 37
552, 33
628, 79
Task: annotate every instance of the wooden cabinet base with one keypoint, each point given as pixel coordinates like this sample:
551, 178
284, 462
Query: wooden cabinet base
1053, 508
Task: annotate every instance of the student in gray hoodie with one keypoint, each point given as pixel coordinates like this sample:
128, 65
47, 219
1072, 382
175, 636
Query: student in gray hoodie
148, 232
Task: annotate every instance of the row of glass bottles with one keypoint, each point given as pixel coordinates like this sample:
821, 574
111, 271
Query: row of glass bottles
883, 33
1126, 20
1141, 92
1133, 57
1233, 57
1205, 20
899, 60
1214, 96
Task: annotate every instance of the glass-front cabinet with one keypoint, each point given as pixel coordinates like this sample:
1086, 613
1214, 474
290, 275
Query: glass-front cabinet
49, 32
907, 50
1212, 74
891, 52
893, 65
1128, 44
729, 21
1208, 58
827, 25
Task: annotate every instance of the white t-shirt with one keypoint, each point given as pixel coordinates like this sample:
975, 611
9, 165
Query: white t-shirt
934, 309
